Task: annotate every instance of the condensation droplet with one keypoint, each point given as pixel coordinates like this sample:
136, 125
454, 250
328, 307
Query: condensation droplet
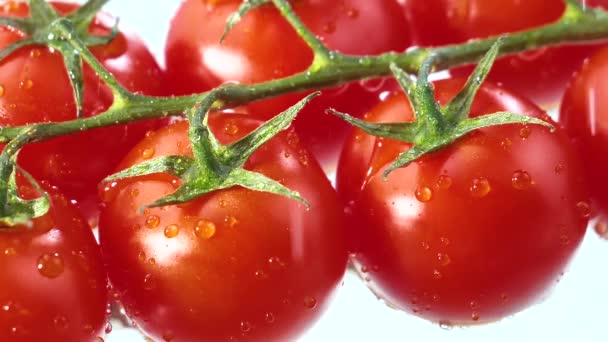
141, 256
521, 180
352, 13
444, 240
171, 231
50, 265
475, 316
148, 282
108, 328
134, 192
446, 325
474, 305
480, 187
506, 144
26, 84
245, 326
1, 91
559, 168
525, 132
152, 221
204, 229
424, 194
269, 317
310, 302
60, 322
584, 209
425, 245
437, 274
231, 129
231, 221
34, 53
10, 251
601, 228
148, 153
444, 259
168, 336
276, 263
329, 28
444, 182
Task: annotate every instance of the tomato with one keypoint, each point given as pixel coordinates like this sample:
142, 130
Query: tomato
263, 46
53, 284
583, 112
234, 264
539, 74
35, 87
473, 232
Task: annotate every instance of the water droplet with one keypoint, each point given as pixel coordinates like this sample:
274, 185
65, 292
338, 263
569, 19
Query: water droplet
436, 298
50, 265
329, 27
425, 245
171, 231
231, 129
10, 251
475, 316
480, 187
134, 192
1, 91
148, 153
352, 13
559, 168
444, 182
245, 326
168, 336
34, 53
521, 180
437, 274
269, 317
424, 194
60, 322
108, 328
446, 325
310, 302
152, 221
231, 221
141, 256
99, 339
148, 282
601, 228
26, 84
276, 263
444, 240
474, 305
444, 259
506, 144
525, 132
204, 229
584, 209
364, 269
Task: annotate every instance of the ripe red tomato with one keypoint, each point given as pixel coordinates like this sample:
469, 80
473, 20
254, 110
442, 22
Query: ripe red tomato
263, 46
540, 74
233, 264
53, 284
473, 232
585, 115
34, 87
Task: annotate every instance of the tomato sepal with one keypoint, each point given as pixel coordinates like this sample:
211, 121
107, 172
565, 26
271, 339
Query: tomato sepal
235, 17
175, 165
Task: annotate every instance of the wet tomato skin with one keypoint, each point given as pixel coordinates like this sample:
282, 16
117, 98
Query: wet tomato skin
35, 88
539, 74
584, 115
263, 46
471, 233
233, 264
53, 284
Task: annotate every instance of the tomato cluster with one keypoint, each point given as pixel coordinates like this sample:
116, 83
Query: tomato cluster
471, 233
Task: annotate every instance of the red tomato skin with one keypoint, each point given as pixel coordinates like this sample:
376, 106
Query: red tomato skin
53, 285
266, 269
584, 115
35, 88
433, 241
263, 46
540, 74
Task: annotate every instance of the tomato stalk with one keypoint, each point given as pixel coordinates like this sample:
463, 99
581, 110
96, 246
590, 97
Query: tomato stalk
328, 69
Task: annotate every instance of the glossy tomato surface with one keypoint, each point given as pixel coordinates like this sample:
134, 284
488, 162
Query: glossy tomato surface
34, 87
53, 283
263, 46
473, 232
539, 74
234, 264
584, 113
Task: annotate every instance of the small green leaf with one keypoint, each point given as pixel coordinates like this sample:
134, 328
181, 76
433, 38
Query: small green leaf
495, 119
73, 65
405, 159
407, 84
258, 182
236, 154
401, 131
85, 14
22, 24
175, 165
235, 17
460, 106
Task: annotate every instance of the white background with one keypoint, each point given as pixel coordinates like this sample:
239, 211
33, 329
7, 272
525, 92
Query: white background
575, 310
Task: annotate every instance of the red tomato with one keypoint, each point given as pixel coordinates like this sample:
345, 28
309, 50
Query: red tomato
34, 87
540, 74
585, 116
263, 46
473, 232
233, 264
53, 283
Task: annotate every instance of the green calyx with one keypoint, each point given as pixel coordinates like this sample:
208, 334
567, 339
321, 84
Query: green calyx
437, 126
215, 166
43, 27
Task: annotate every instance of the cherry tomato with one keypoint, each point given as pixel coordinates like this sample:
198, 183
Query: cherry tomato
34, 87
583, 112
263, 46
539, 74
53, 284
234, 264
473, 232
